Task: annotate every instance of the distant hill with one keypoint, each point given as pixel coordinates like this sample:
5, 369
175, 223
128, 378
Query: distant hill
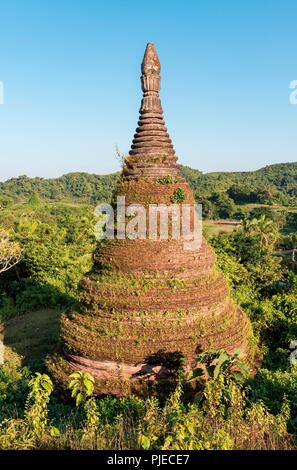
272, 184
280, 177
72, 186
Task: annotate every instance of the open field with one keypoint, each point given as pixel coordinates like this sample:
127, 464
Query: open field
250, 207
214, 227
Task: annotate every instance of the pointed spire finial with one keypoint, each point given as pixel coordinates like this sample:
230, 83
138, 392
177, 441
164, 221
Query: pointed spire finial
150, 68
151, 140
151, 63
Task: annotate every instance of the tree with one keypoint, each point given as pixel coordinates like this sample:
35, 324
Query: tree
267, 195
34, 200
5, 201
224, 205
10, 252
264, 229
242, 194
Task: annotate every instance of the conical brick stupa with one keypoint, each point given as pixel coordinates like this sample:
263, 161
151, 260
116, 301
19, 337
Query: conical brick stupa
148, 299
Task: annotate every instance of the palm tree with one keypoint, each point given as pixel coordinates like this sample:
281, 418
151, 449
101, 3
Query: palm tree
263, 228
248, 226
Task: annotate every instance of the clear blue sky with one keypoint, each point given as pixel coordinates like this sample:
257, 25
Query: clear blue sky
71, 72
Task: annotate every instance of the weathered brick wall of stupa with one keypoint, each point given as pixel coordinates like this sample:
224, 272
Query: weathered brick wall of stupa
145, 296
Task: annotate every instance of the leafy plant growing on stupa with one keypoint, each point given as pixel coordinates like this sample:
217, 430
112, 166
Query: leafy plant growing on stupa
166, 180
178, 196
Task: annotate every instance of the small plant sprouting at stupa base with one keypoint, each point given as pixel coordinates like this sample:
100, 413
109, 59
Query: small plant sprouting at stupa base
146, 302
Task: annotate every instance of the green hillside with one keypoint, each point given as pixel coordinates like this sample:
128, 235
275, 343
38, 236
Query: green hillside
72, 186
274, 182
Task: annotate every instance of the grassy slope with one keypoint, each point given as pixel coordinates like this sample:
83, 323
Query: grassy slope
33, 335
212, 228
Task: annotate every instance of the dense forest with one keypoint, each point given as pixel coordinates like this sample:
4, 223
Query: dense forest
274, 184
47, 240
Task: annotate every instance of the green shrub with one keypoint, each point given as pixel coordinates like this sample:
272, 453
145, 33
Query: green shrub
36, 297
7, 308
13, 385
178, 196
166, 180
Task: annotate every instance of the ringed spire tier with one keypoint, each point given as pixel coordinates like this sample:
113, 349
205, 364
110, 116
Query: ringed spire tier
152, 153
